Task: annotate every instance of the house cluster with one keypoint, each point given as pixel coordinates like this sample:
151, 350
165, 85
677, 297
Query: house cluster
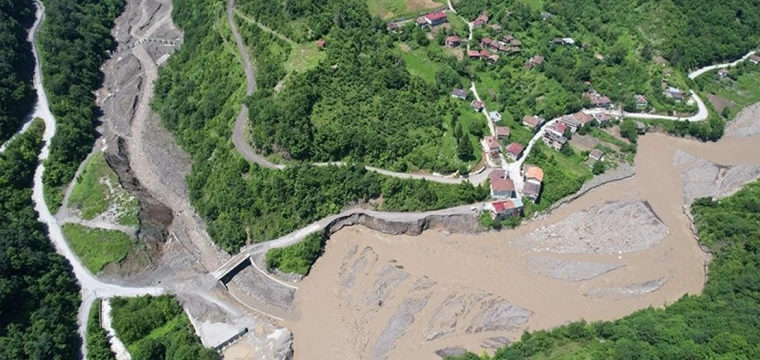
433, 19
507, 44
483, 55
554, 136
597, 100
507, 203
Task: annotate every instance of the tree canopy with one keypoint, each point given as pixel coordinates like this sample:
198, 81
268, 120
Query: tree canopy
16, 65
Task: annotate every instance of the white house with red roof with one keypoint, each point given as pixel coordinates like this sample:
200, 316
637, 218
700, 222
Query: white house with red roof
502, 187
505, 208
514, 150
436, 18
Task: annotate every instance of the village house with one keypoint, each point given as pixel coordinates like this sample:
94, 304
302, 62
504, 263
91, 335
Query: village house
514, 49
514, 150
516, 42
505, 208
453, 41
486, 42
596, 154
502, 187
755, 59
570, 121
492, 144
507, 39
473, 54
504, 48
723, 73
583, 118
598, 101
481, 20
641, 102
502, 132
554, 136
568, 41
532, 121
534, 62
459, 94
602, 118
477, 105
392, 27
496, 28
484, 54
546, 15
534, 178
495, 116
321, 44
436, 18
674, 93
421, 21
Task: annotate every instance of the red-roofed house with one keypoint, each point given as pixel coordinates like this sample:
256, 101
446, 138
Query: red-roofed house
597, 100
755, 59
473, 54
421, 21
453, 41
486, 42
532, 121
436, 18
321, 43
484, 54
641, 102
492, 144
502, 187
554, 136
477, 105
583, 118
502, 132
505, 208
480, 21
459, 93
514, 150
534, 61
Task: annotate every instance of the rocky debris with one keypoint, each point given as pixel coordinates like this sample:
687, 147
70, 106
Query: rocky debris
622, 172
746, 123
569, 270
702, 178
264, 289
405, 316
451, 351
446, 317
628, 291
607, 228
494, 343
368, 256
460, 224
498, 315
388, 278
422, 283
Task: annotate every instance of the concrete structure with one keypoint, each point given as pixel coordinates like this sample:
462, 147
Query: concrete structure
436, 18
495, 116
532, 121
505, 208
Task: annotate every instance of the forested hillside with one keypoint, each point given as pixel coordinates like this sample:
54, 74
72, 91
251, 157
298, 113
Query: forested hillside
39, 296
722, 323
74, 41
16, 65
198, 95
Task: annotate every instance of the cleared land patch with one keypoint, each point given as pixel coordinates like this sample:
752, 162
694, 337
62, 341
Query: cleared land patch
391, 9
97, 191
96, 247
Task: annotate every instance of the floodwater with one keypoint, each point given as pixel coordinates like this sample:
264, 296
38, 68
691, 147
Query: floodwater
337, 322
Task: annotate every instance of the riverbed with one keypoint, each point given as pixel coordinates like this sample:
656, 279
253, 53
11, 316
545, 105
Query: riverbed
404, 297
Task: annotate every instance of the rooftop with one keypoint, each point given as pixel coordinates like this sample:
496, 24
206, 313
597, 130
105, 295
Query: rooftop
515, 148
438, 15
499, 183
502, 131
534, 172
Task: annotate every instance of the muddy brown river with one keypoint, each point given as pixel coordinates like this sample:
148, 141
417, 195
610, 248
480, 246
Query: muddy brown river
405, 297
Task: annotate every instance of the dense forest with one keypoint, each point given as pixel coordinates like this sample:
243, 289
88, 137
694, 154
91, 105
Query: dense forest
156, 328
360, 104
39, 296
16, 65
74, 41
721, 323
198, 95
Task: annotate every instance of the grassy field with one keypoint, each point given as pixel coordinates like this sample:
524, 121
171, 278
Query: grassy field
393, 9
96, 247
743, 92
97, 189
418, 63
304, 56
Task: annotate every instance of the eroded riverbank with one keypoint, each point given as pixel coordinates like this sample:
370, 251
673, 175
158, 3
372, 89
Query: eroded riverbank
379, 296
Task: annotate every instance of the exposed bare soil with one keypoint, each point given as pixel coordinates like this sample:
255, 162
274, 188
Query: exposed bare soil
618, 248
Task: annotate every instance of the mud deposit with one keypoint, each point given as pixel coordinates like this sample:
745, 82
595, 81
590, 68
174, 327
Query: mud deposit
619, 248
